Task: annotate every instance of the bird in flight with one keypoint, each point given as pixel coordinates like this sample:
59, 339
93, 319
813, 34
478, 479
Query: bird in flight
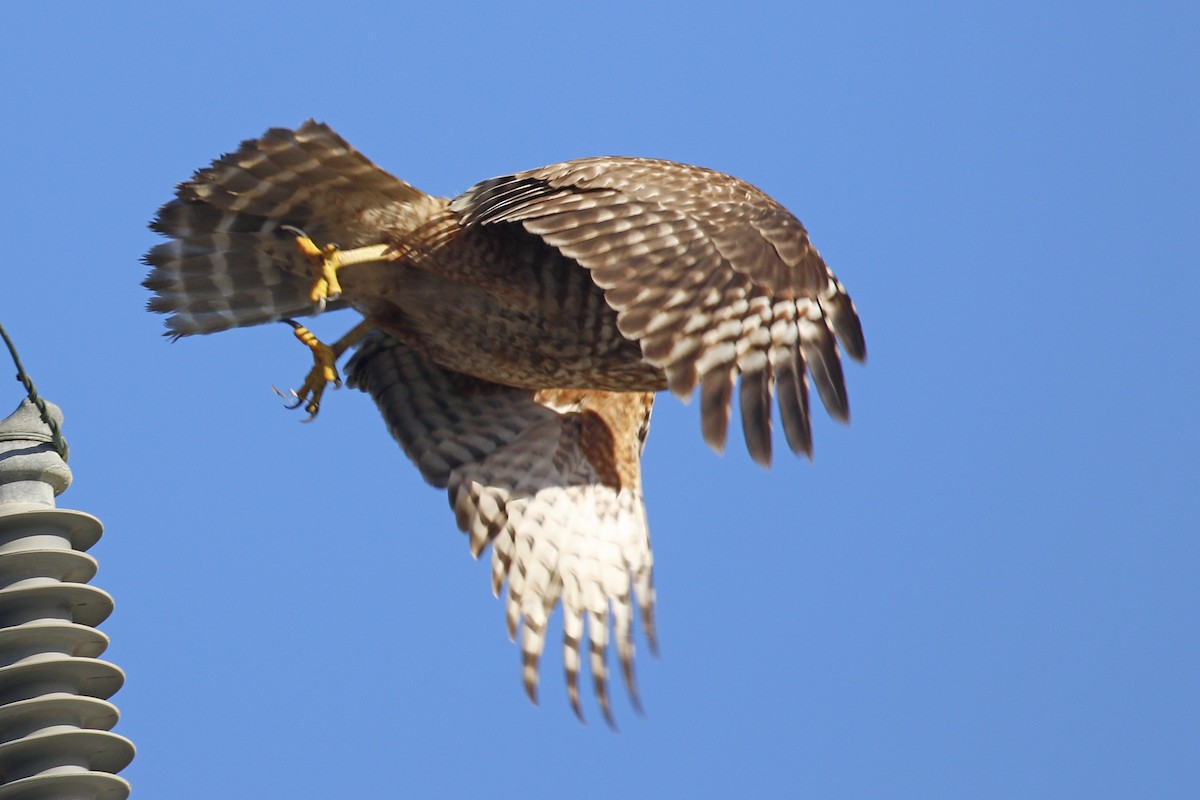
514, 338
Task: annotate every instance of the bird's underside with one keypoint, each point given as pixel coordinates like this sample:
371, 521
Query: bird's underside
515, 334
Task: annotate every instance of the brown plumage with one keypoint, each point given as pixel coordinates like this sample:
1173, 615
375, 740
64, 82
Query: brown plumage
520, 331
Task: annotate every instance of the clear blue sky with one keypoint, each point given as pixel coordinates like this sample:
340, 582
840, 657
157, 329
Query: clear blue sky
985, 587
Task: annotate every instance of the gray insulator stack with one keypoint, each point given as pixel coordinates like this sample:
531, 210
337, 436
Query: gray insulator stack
55, 718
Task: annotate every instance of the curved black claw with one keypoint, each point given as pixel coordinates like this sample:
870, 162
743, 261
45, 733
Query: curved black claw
294, 231
291, 402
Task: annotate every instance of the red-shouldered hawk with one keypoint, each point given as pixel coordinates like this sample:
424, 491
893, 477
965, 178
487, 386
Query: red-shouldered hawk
513, 339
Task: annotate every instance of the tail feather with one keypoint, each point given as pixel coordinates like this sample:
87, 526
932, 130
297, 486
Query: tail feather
288, 173
230, 262
209, 279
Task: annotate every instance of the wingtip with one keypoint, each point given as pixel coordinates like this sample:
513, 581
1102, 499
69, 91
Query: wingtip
573, 696
531, 684
763, 459
609, 719
635, 700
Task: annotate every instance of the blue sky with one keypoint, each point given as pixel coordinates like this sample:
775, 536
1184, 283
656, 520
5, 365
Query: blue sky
985, 587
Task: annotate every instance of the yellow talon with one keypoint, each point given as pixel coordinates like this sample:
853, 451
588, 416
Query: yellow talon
329, 259
323, 373
326, 286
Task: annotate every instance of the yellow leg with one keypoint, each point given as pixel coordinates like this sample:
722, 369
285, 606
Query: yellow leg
324, 371
329, 259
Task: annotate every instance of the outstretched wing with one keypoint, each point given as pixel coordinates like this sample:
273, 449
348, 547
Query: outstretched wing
710, 275
551, 479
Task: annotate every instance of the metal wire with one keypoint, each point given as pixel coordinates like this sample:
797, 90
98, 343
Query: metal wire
56, 437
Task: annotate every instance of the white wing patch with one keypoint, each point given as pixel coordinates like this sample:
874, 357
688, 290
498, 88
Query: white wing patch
520, 474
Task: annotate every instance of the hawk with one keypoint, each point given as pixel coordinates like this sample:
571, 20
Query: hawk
514, 338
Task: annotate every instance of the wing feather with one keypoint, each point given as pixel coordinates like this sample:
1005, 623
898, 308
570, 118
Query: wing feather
542, 478
706, 272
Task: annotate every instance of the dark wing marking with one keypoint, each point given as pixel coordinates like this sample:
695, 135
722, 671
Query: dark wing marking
711, 276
